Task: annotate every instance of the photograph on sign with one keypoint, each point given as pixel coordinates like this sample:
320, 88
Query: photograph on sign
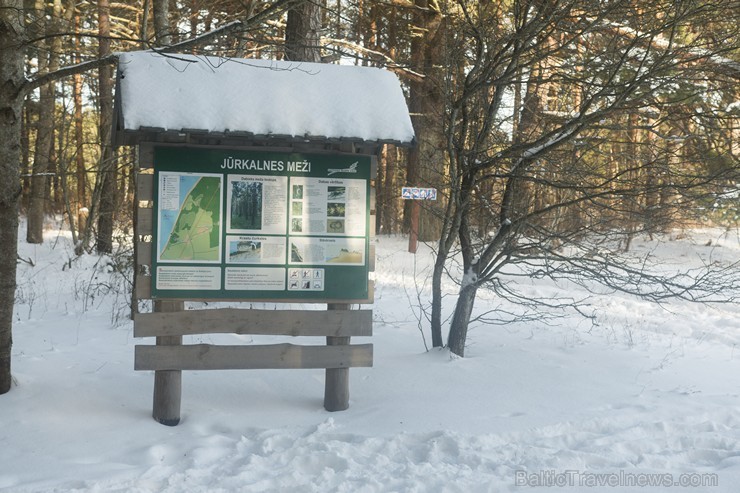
189, 217
332, 206
256, 204
255, 250
344, 251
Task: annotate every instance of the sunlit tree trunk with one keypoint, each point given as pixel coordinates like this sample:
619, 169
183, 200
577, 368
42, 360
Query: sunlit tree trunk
44, 137
302, 33
162, 22
107, 167
80, 171
427, 161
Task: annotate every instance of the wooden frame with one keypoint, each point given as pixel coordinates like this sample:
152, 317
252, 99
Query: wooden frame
169, 323
145, 223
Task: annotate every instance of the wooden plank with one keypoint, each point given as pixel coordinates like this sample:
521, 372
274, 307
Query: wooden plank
370, 259
145, 187
146, 155
276, 356
370, 293
372, 225
242, 321
348, 147
145, 220
306, 301
143, 253
143, 287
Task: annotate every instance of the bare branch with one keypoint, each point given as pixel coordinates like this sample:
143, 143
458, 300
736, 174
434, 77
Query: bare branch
276, 9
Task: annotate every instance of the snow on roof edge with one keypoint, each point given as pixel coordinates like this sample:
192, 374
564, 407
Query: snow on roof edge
261, 97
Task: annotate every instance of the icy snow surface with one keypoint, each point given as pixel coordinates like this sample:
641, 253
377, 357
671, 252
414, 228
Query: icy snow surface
263, 97
646, 391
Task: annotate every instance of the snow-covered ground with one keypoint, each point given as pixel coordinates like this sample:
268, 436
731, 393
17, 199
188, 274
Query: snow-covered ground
648, 395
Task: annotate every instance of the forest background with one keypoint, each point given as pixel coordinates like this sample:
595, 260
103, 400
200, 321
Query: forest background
555, 131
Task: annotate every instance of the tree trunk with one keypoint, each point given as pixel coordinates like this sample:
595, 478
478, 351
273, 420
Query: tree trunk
381, 190
436, 318
162, 22
388, 194
107, 168
302, 33
461, 319
81, 173
25, 157
427, 161
44, 140
11, 102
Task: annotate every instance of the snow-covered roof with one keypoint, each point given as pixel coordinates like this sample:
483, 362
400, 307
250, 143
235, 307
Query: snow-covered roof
260, 97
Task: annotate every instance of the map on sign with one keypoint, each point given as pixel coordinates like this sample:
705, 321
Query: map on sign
189, 219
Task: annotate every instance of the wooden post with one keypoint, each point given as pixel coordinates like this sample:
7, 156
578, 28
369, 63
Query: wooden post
414, 233
336, 387
168, 383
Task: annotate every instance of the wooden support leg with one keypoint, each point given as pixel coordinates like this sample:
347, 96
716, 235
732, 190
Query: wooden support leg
168, 383
336, 387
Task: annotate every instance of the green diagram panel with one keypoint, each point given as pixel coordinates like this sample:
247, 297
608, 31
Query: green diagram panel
243, 224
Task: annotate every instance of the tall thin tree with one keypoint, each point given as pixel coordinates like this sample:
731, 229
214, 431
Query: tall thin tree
106, 184
12, 36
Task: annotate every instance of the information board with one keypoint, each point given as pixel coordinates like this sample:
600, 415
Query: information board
255, 225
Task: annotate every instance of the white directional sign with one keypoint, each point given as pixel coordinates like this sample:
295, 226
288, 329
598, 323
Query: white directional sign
416, 193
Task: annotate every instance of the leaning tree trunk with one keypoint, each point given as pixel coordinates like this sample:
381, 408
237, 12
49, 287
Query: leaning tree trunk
436, 317
461, 319
11, 102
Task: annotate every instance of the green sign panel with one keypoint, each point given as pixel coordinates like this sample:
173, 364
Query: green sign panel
254, 225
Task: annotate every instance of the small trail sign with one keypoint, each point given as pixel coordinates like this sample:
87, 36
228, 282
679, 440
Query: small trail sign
416, 193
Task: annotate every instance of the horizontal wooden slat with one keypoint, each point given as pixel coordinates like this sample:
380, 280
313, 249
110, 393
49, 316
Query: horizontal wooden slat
303, 301
145, 221
144, 253
243, 321
145, 186
277, 356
